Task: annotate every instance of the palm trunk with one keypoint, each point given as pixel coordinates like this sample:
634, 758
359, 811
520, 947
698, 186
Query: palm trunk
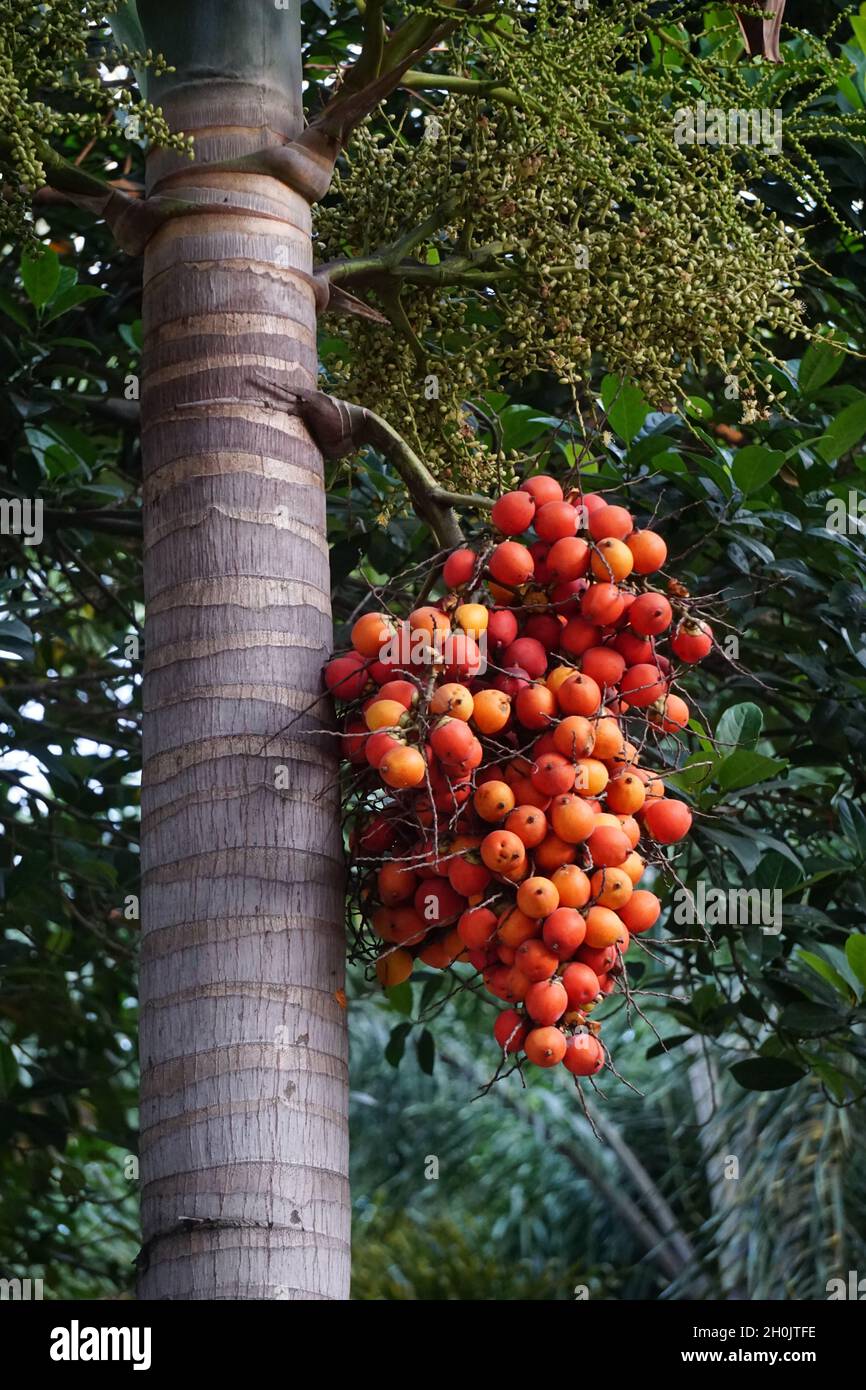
243, 1040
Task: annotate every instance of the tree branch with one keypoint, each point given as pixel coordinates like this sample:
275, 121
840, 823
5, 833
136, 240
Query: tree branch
340, 428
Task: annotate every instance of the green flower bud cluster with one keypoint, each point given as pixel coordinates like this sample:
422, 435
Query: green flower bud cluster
51, 87
573, 230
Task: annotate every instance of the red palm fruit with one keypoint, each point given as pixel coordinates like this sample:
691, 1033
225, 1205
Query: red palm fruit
525, 794
642, 685
536, 960
566, 597
535, 706
513, 512
593, 502
574, 737
459, 568
514, 927
579, 635
564, 930
622, 621
553, 774
529, 824
404, 692
501, 627
461, 656
610, 521
376, 836
625, 793
648, 549
545, 1047
602, 603
395, 882
515, 986
552, 854
608, 846
667, 820
528, 654
346, 676
371, 632
584, 1055
468, 876
641, 911
572, 885
451, 739
578, 695
581, 984
555, 520
511, 681
572, 819
546, 1002
542, 489
477, 927
353, 742
604, 928
406, 927
544, 628
692, 641
673, 715
500, 850
636, 650
600, 962
510, 1030
511, 564
568, 558
649, 615
538, 550
436, 901
604, 665
378, 745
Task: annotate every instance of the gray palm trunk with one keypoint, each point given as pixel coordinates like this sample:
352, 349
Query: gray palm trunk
244, 1142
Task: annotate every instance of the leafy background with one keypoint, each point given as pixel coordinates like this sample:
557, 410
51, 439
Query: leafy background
765, 1046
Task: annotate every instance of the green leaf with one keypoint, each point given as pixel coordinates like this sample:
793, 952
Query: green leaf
16, 637
667, 1044
40, 276
855, 954
827, 972
853, 823
76, 294
740, 726
397, 1044
755, 465
766, 1073
820, 363
400, 997
846, 430
808, 1020
745, 768
13, 310
8, 1070
625, 406
425, 1048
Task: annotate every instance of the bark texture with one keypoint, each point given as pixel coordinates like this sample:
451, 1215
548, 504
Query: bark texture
244, 1143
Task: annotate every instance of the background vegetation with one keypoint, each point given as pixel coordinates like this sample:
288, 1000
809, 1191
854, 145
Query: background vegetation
527, 1202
